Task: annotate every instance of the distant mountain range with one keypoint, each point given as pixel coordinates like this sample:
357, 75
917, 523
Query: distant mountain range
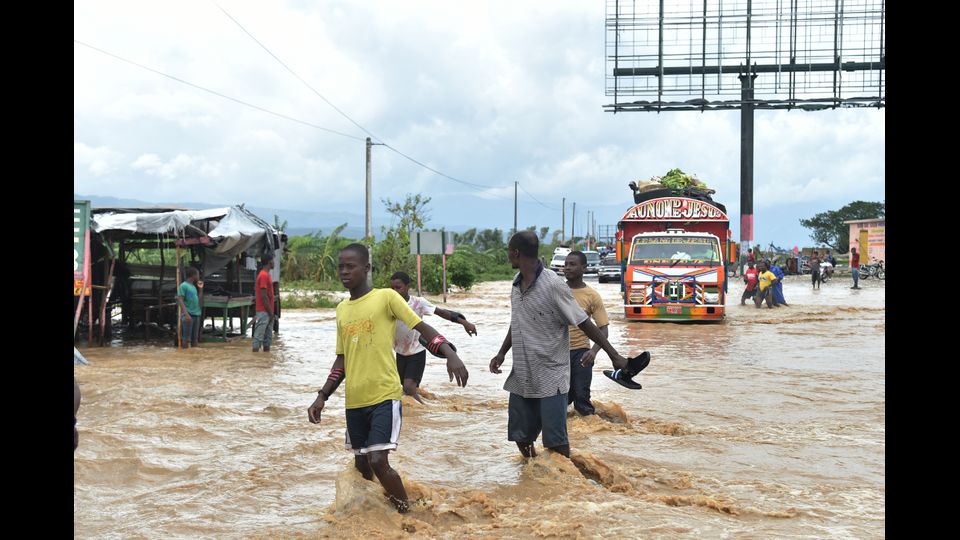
298, 222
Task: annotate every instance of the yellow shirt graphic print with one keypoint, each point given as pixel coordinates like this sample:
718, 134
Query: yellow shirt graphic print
365, 332
360, 333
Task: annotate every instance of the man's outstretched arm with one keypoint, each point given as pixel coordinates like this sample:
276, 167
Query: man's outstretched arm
458, 318
595, 335
588, 357
438, 344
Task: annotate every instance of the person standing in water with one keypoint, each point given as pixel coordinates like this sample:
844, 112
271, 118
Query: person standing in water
366, 325
263, 321
411, 354
189, 295
542, 311
815, 269
581, 357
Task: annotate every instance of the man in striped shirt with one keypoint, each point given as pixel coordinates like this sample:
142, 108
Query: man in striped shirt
542, 309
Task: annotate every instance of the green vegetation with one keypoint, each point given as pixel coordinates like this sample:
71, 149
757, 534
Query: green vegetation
309, 300
480, 255
829, 227
313, 257
677, 179
310, 285
309, 264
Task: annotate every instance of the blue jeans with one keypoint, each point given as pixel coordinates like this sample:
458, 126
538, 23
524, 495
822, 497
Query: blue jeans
580, 379
262, 330
856, 276
189, 331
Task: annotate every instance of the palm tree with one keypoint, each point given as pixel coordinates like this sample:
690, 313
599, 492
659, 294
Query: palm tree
329, 248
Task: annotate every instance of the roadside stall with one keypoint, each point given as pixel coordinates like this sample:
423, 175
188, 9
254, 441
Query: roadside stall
145, 252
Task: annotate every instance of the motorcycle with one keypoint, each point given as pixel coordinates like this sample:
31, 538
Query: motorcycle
872, 270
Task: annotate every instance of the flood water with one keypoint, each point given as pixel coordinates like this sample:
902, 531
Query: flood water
770, 424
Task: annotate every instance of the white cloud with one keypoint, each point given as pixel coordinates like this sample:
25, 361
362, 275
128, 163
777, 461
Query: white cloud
180, 167
99, 161
487, 92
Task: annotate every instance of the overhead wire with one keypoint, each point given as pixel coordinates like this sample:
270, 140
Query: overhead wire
218, 94
473, 185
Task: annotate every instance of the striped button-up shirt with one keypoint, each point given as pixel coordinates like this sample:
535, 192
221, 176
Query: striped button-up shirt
540, 318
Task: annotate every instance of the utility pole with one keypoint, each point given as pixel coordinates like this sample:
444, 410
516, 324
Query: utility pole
589, 221
368, 225
515, 183
368, 222
563, 222
573, 227
593, 228
586, 232
367, 230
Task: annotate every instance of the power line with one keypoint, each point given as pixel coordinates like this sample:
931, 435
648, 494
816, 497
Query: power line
535, 199
294, 73
345, 115
214, 92
297, 120
280, 115
464, 182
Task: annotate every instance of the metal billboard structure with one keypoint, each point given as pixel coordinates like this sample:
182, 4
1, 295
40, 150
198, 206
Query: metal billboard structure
706, 55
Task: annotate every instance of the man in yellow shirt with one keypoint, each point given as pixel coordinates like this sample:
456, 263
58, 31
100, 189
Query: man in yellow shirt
582, 357
366, 324
767, 279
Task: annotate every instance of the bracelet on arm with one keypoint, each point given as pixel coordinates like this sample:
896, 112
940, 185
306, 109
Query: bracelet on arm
335, 377
435, 343
434, 348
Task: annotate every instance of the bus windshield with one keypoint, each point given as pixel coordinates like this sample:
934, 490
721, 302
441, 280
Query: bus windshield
671, 249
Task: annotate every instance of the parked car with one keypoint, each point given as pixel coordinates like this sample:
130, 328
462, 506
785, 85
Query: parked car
609, 270
556, 264
593, 262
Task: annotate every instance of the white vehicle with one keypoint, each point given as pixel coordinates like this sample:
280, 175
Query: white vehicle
558, 261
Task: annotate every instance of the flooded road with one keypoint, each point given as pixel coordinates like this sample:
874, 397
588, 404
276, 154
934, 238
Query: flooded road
770, 424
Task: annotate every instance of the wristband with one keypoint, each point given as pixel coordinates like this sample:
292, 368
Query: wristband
435, 343
436, 350
336, 376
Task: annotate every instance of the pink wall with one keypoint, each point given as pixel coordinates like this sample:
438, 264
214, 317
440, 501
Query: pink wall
876, 240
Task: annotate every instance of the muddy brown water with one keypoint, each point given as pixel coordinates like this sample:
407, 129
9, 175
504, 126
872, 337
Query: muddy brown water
770, 424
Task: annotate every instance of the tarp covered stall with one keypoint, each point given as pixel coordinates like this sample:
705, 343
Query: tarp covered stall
235, 231
212, 239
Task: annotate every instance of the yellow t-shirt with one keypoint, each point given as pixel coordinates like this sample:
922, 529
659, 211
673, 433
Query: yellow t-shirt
766, 278
365, 329
589, 299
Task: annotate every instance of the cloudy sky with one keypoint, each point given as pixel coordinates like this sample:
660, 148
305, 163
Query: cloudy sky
486, 92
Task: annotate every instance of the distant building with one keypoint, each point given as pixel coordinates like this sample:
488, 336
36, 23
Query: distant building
869, 237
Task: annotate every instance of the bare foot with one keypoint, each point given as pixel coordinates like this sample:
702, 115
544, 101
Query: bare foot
403, 506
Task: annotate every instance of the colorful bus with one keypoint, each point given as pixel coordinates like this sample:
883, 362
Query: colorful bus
674, 251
